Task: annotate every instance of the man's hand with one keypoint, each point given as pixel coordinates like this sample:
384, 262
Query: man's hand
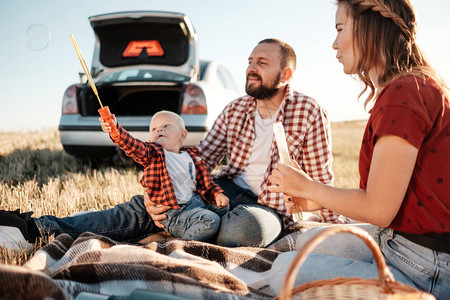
222, 200
155, 212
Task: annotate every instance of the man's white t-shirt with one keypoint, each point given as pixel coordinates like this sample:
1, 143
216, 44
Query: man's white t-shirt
253, 174
181, 169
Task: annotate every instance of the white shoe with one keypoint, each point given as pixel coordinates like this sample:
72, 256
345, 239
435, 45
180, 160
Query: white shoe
13, 239
13, 230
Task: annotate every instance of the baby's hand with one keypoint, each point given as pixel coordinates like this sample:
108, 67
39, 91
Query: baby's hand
106, 127
222, 200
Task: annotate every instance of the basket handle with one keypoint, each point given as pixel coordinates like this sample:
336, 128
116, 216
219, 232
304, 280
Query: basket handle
384, 274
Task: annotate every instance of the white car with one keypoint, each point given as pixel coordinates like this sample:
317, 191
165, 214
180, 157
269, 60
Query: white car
143, 62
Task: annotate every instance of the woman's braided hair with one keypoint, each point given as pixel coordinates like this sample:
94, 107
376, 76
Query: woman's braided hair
385, 35
387, 12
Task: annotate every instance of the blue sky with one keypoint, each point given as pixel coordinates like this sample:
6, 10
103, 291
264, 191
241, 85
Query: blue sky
33, 80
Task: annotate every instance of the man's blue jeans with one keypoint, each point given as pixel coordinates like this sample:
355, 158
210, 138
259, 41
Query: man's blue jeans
248, 223
126, 221
195, 220
344, 255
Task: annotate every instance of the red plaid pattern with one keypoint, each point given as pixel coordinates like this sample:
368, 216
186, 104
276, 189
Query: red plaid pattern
156, 179
308, 135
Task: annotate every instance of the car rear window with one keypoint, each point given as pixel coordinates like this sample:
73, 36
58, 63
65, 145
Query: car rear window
115, 39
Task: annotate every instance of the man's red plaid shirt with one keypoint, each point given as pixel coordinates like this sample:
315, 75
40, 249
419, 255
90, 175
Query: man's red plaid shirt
156, 179
308, 135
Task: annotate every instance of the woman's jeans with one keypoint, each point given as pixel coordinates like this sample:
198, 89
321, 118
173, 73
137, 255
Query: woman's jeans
195, 220
126, 221
345, 255
248, 223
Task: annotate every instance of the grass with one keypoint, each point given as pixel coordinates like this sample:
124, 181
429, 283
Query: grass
346, 137
37, 175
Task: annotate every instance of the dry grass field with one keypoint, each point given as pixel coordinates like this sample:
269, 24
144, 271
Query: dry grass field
347, 137
37, 175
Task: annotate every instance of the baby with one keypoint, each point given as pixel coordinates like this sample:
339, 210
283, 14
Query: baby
175, 176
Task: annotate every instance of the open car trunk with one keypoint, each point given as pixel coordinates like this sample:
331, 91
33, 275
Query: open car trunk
133, 100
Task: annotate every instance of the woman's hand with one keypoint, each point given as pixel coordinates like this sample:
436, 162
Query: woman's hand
296, 204
155, 212
290, 180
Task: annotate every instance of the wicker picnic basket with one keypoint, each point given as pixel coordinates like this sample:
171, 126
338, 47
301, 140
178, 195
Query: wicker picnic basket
384, 287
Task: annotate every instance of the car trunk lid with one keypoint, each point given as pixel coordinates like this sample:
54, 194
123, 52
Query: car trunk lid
162, 40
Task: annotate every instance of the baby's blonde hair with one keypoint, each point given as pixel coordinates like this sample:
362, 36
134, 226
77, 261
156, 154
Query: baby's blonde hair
174, 116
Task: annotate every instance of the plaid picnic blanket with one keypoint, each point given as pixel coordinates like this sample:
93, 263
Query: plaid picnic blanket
194, 270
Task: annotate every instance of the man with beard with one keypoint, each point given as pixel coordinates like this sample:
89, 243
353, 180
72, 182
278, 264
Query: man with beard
243, 133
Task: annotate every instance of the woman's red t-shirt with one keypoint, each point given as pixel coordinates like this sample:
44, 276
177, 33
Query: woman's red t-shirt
419, 112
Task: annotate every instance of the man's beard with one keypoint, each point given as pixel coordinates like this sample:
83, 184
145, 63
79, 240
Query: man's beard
264, 91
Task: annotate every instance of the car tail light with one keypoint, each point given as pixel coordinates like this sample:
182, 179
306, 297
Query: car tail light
69, 103
194, 100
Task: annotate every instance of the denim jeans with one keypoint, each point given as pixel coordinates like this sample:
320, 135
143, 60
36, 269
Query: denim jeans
345, 255
248, 223
126, 221
195, 220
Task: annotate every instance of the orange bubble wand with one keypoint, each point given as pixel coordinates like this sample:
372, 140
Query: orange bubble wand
104, 110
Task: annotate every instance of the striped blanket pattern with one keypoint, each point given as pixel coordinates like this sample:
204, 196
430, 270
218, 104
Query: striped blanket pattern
95, 264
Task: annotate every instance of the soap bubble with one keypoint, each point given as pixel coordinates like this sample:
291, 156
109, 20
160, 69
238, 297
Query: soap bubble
38, 37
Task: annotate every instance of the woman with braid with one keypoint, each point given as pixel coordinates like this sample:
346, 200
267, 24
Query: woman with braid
403, 163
